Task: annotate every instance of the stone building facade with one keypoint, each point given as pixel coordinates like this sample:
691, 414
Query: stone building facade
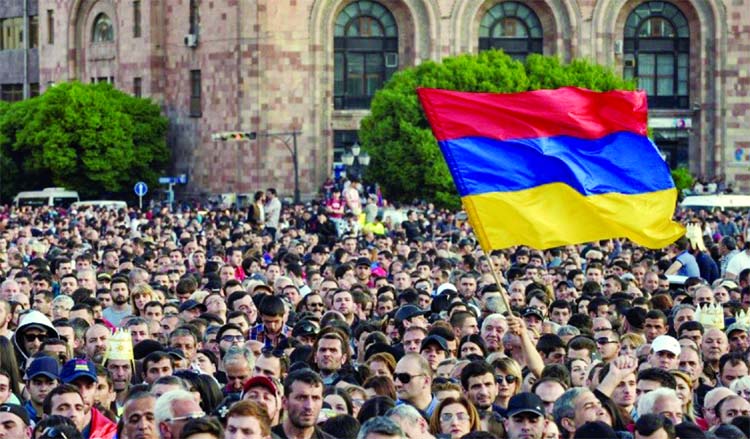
19, 55
312, 66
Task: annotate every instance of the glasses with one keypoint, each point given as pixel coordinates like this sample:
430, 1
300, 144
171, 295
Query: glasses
405, 377
509, 379
53, 433
31, 337
442, 380
448, 417
315, 305
232, 338
604, 340
187, 417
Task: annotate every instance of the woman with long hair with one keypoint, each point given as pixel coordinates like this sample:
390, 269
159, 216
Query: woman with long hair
685, 393
9, 364
139, 297
455, 417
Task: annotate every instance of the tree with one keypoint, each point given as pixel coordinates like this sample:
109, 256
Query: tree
406, 159
91, 138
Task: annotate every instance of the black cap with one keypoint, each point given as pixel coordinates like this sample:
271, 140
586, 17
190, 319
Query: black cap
525, 402
145, 347
434, 339
688, 430
595, 430
408, 311
192, 304
636, 317
319, 249
532, 311
305, 327
16, 410
363, 261
176, 353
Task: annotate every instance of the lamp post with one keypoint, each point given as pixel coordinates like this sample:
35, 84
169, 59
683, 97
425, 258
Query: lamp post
355, 160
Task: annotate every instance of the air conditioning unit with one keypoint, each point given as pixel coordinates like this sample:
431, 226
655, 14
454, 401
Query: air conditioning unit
191, 40
391, 60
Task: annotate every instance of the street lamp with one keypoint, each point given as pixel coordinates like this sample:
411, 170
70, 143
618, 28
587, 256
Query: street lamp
355, 160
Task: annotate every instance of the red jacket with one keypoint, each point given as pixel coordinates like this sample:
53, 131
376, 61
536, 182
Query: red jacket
101, 427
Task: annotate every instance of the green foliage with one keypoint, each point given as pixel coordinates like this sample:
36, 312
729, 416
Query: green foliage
683, 179
91, 138
406, 159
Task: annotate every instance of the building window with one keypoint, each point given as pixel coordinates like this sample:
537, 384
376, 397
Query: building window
50, 26
343, 139
11, 33
34, 32
365, 53
195, 93
137, 87
137, 19
11, 92
34, 89
657, 52
512, 27
195, 17
103, 31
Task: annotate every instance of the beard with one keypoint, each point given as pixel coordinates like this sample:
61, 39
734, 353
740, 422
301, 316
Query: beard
120, 300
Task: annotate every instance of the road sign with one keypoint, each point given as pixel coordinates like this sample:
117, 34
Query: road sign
166, 180
140, 189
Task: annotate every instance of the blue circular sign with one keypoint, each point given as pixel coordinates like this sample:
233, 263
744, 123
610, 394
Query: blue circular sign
140, 188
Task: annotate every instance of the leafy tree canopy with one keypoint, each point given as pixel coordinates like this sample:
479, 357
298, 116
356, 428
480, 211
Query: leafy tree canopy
406, 159
91, 138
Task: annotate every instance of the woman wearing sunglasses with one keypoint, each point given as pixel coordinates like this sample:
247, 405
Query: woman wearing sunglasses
455, 417
508, 377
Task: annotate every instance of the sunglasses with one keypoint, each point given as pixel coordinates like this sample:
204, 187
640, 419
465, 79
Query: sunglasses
441, 380
404, 378
278, 353
188, 417
53, 433
31, 337
509, 379
604, 340
231, 338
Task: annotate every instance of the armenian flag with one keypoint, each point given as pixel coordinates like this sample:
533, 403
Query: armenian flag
554, 167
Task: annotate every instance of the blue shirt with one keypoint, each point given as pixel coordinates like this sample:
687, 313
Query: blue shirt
689, 266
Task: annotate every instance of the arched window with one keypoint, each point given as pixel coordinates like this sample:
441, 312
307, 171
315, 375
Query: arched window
512, 27
365, 41
657, 52
103, 30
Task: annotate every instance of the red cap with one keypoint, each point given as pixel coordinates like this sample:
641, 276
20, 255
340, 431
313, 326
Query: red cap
259, 380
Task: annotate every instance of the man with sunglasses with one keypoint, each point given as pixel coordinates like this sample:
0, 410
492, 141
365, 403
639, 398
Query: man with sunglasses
173, 410
413, 381
608, 344
33, 329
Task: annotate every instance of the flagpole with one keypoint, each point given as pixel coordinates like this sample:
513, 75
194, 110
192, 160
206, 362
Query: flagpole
503, 292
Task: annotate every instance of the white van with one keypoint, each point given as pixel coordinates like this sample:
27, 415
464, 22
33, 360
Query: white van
100, 204
716, 202
49, 196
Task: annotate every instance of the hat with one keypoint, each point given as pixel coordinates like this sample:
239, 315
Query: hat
104, 276
319, 249
408, 311
729, 284
305, 327
76, 368
525, 402
737, 326
377, 348
666, 343
176, 353
119, 346
688, 430
446, 286
16, 410
192, 304
46, 366
595, 430
636, 317
145, 347
363, 261
434, 339
260, 380
532, 311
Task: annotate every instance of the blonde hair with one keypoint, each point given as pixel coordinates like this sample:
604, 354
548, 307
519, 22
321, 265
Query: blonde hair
689, 408
510, 366
140, 290
637, 339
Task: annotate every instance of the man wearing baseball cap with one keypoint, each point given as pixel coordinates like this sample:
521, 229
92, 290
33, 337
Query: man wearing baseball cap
81, 373
14, 422
42, 376
262, 390
665, 353
525, 417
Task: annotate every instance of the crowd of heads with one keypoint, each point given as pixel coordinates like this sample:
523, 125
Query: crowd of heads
353, 319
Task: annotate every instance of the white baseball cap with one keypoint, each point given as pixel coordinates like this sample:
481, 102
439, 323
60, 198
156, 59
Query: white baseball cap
666, 343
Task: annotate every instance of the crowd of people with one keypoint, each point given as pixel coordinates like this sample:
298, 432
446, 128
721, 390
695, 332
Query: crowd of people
328, 320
